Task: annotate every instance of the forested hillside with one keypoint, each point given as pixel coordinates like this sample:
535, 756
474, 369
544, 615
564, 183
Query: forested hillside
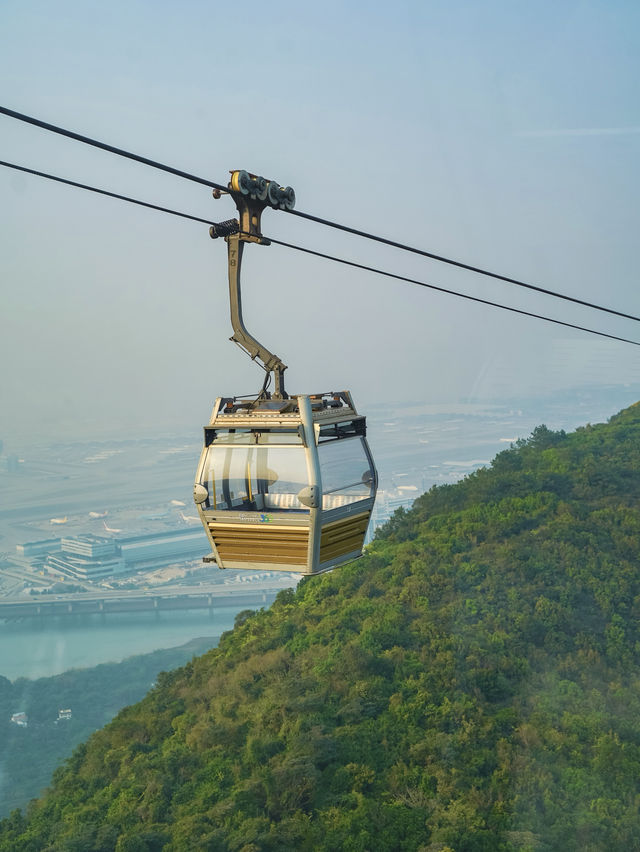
94, 695
472, 684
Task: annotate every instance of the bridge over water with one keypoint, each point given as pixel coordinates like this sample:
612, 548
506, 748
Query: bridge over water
140, 600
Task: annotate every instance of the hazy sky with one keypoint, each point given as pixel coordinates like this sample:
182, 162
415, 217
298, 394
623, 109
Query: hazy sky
504, 134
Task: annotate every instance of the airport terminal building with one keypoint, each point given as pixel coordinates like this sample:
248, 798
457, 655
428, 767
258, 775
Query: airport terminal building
94, 558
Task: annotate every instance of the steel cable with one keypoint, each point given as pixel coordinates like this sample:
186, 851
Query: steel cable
323, 255
308, 216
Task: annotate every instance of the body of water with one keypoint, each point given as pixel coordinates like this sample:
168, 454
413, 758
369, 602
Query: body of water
36, 648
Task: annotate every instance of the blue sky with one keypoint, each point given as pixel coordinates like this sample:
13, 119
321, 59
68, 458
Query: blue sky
503, 134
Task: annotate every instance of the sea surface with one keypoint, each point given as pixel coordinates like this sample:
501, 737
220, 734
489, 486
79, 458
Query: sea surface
36, 648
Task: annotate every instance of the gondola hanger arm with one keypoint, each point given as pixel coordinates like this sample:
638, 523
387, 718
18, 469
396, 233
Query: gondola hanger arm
251, 195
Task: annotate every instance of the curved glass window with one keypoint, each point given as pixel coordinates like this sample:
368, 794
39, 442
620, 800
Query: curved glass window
256, 478
347, 473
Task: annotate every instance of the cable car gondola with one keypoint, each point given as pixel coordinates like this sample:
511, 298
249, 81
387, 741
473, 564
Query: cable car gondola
284, 483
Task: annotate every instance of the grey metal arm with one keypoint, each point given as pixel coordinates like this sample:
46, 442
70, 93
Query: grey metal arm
255, 350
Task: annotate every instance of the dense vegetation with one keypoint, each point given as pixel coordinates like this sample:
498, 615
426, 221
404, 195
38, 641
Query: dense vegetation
472, 684
94, 696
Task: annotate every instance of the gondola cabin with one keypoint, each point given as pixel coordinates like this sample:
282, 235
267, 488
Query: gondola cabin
286, 485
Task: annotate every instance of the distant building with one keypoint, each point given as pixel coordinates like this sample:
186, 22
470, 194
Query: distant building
95, 558
32, 554
37, 548
89, 546
87, 557
20, 719
163, 547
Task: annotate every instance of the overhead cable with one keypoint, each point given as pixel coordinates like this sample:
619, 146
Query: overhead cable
445, 290
327, 256
308, 216
106, 192
460, 265
113, 150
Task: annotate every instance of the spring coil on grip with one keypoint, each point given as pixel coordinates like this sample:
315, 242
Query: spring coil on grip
224, 229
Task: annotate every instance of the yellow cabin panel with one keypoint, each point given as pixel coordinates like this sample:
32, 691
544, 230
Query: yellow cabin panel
240, 543
343, 536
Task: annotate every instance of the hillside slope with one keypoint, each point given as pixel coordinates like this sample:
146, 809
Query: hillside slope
95, 695
472, 684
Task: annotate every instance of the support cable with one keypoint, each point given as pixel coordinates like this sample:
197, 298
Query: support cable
459, 264
445, 290
61, 131
308, 216
227, 228
105, 192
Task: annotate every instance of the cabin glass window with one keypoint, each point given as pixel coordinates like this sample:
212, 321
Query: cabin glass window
346, 471
254, 477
